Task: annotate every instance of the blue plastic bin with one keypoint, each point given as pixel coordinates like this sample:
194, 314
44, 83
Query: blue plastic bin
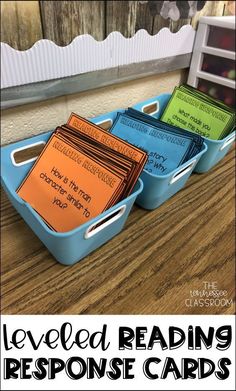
158, 188
70, 247
216, 149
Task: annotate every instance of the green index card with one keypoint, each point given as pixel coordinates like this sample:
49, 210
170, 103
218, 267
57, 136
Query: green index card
197, 115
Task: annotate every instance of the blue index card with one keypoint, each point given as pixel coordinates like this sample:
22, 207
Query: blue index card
166, 150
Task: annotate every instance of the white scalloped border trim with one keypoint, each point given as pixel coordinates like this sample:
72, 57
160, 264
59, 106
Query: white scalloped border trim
46, 61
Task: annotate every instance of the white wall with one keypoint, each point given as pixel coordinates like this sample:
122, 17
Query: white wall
28, 120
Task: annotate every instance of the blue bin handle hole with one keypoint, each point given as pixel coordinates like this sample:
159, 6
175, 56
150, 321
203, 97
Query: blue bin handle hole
179, 174
105, 124
27, 153
151, 108
227, 142
104, 222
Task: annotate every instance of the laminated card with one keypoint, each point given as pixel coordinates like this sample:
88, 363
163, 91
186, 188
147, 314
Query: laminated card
76, 177
198, 112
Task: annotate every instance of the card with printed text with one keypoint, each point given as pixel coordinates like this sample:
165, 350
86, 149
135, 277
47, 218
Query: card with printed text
167, 146
77, 177
198, 112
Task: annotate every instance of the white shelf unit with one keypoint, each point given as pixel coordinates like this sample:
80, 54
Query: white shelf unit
215, 41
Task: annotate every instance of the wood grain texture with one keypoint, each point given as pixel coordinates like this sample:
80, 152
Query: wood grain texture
25, 22
88, 18
229, 8
176, 25
211, 8
20, 23
143, 18
159, 23
62, 21
128, 17
121, 16
149, 268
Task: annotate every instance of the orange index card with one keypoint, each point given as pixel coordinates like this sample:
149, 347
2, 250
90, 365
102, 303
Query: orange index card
67, 187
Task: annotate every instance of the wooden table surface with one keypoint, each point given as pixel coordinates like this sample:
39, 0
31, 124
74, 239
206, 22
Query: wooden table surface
151, 267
